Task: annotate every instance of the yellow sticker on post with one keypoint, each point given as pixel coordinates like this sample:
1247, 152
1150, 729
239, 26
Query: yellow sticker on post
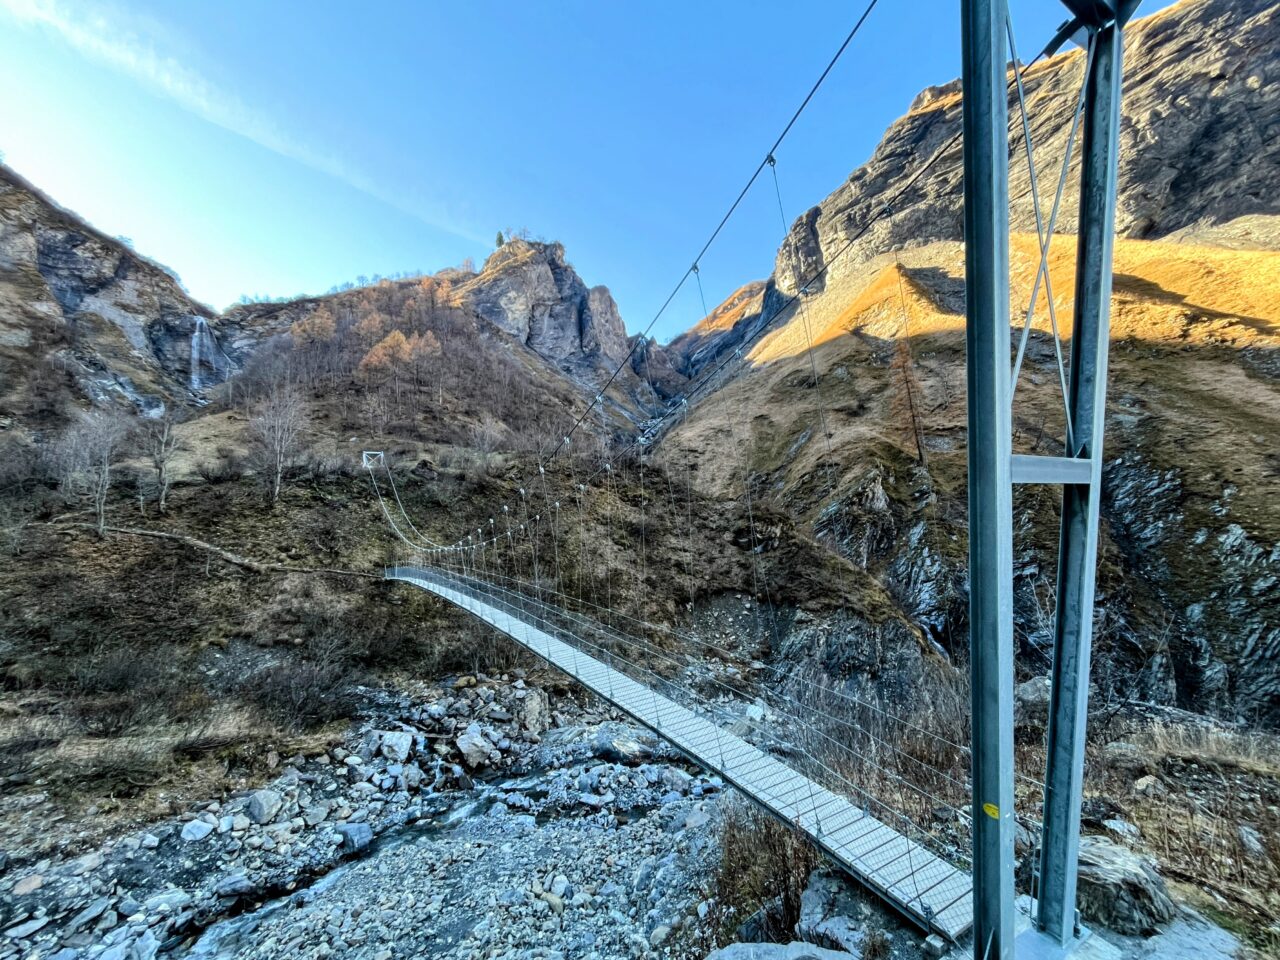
991, 810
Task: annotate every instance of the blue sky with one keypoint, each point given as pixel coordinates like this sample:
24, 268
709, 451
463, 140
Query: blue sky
285, 147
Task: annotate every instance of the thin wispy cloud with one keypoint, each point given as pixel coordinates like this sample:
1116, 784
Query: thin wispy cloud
136, 47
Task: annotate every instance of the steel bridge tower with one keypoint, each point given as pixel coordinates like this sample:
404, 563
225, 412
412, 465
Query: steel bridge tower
994, 468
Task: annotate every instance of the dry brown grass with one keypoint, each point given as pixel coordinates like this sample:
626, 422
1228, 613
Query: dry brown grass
1163, 292
737, 305
1253, 752
63, 757
1213, 784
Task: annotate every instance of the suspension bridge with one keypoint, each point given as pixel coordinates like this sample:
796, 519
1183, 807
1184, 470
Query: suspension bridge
934, 840
926, 888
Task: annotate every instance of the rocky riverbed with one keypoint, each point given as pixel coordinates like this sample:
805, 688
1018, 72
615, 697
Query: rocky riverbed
477, 800
476, 819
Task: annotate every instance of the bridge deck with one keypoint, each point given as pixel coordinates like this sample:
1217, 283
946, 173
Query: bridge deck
927, 889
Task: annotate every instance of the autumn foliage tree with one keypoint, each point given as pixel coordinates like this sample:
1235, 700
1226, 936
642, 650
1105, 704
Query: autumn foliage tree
389, 353
370, 328
387, 359
319, 327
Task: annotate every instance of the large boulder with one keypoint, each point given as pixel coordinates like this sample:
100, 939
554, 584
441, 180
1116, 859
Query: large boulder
264, 805
1031, 703
1120, 889
475, 746
396, 745
355, 836
534, 711
196, 830
824, 919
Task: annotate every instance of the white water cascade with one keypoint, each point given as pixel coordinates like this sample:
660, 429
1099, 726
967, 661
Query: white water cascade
205, 352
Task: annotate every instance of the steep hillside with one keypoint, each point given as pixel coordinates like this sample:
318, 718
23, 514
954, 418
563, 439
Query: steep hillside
1188, 601
1189, 597
527, 290
1200, 144
1199, 157
724, 328
84, 317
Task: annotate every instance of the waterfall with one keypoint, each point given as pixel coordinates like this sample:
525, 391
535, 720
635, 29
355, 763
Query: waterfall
205, 352
196, 338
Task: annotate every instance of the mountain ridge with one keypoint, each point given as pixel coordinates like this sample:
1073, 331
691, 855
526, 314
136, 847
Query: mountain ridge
1199, 158
85, 318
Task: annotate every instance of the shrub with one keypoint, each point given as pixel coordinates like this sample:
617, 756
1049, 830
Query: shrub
20, 746
301, 695
14, 520
325, 465
115, 768
222, 469
762, 860
127, 688
877, 945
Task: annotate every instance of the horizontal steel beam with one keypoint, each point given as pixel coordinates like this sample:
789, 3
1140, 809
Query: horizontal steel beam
1064, 470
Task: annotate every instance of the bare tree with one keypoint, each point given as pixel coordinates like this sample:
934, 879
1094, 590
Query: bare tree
276, 432
65, 458
486, 437
144, 488
107, 432
375, 409
84, 455
160, 443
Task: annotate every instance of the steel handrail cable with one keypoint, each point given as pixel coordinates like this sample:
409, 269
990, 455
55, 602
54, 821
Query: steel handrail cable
769, 695
867, 796
775, 669
697, 641
663, 655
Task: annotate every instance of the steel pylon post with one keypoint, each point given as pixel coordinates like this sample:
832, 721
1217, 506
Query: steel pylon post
986, 234
1073, 627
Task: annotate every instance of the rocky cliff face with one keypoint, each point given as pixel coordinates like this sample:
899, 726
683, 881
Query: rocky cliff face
83, 317
1200, 145
532, 293
736, 321
1199, 160
528, 295
82, 310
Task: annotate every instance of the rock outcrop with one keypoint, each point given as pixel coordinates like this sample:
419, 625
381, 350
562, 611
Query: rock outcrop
530, 291
83, 317
1200, 145
735, 321
1120, 889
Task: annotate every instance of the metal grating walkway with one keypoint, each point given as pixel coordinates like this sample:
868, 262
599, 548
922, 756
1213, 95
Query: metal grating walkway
930, 891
